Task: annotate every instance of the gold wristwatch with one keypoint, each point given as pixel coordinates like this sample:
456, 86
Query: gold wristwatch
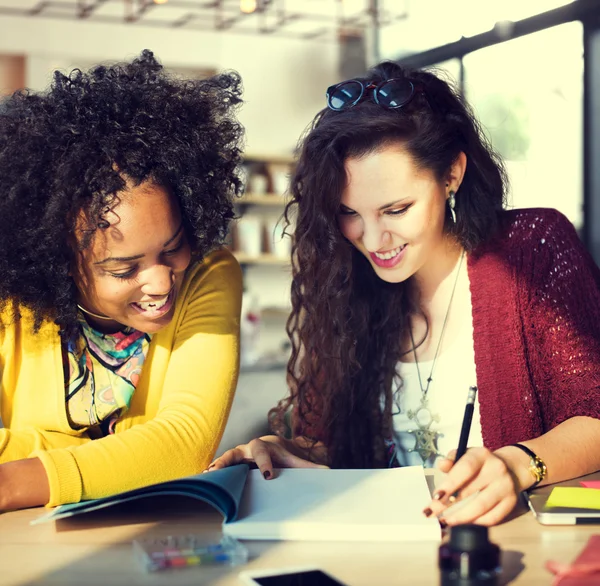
537, 467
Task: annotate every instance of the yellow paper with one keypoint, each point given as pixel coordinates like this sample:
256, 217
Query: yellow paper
574, 497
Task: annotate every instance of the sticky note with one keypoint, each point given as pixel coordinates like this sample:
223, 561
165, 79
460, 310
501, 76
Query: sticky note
574, 497
591, 483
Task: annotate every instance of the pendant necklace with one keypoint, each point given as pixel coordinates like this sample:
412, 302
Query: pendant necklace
425, 437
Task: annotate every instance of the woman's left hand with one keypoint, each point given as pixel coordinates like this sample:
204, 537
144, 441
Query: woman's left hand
23, 484
491, 479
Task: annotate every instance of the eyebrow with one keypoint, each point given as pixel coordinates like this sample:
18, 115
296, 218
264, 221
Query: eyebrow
138, 256
385, 206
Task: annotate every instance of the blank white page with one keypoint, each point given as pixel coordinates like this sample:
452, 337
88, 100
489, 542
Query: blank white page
341, 505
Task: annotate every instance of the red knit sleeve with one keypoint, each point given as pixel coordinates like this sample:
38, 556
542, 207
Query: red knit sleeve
560, 304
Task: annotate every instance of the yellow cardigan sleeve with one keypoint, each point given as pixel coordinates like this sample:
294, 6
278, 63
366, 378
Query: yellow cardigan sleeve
175, 423
16, 445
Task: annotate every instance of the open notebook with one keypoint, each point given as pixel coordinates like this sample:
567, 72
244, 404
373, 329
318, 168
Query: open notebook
300, 503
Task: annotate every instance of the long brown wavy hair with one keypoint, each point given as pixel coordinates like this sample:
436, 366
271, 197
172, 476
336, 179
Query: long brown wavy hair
346, 324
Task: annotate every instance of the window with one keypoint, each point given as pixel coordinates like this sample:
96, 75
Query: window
528, 94
432, 23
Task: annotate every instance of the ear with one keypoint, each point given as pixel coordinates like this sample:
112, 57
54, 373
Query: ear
456, 173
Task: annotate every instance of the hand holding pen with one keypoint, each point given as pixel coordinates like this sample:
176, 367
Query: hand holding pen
478, 480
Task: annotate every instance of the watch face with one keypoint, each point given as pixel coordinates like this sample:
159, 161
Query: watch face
538, 469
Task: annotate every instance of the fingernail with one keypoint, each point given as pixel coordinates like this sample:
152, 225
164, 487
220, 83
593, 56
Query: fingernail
443, 524
439, 495
427, 512
267, 474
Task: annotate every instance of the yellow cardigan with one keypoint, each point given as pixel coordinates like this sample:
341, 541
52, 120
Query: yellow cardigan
178, 411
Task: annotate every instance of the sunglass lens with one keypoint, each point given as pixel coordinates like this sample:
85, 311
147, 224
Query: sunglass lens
395, 93
344, 95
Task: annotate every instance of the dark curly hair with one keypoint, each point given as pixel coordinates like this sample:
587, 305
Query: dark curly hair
73, 147
346, 324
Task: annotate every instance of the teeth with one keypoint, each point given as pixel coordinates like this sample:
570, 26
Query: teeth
390, 254
154, 305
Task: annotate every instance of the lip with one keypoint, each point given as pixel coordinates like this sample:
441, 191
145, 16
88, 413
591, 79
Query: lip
388, 263
162, 311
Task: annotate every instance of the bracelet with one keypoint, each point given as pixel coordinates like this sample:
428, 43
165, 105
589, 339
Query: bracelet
537, 467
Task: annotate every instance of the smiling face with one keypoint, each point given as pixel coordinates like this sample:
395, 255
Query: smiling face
133, 270
393, 212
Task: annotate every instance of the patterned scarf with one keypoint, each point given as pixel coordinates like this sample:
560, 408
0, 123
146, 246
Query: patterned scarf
101, 373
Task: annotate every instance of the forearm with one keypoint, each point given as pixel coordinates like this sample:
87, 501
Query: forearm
23, 484
569, 450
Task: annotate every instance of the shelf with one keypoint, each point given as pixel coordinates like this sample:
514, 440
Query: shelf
263, 367
274, 312
266, 158
263, 259
269, 199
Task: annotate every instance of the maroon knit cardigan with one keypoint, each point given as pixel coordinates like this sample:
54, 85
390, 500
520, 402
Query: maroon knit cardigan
535, 293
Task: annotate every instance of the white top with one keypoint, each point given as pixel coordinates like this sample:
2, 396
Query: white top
447, 395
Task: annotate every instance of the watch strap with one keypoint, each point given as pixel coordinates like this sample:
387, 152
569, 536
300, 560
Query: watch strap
537, 467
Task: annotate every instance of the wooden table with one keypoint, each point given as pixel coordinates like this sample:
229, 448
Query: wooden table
96, 549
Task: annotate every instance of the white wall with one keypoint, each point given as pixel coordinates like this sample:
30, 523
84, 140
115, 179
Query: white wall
284, 79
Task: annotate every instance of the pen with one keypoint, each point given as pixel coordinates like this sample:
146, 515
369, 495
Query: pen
189, 550
161, 560
466, 424
465, 429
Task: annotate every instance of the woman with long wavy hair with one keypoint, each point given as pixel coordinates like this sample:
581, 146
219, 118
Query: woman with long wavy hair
412, 284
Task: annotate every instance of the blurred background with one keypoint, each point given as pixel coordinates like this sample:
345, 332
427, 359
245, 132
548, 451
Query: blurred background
531, 70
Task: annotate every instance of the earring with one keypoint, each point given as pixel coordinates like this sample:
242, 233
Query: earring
452, 204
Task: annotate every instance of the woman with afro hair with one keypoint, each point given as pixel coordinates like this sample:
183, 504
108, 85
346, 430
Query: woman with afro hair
119, 308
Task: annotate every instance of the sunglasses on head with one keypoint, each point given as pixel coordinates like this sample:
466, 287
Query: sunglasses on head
390, 94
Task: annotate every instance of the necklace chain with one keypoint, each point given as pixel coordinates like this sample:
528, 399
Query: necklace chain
430, 377
92, 313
